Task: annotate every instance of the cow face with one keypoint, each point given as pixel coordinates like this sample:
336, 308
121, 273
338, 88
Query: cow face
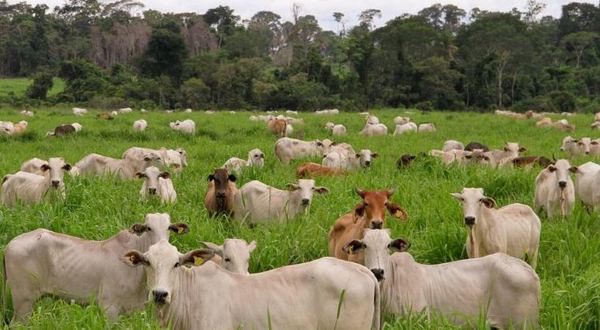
513, 148
473, 200
151, 175
584, 145
162, 263
568, 143
156, 227
365, 157
221, 180
56, 168
304, 190
376, 244
235, 254
256, 157
561, 170
373, 206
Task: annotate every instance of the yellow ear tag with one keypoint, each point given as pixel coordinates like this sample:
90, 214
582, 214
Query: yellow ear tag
198, 261
180, 230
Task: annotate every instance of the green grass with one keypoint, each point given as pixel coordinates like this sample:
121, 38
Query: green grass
96, 208
18, 86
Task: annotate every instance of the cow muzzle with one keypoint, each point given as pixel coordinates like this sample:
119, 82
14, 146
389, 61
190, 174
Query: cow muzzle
220, 195
562, 184
376, 224
305, 201
55, 183
470, 221
152, 191
378, 272
159, 296
368, 163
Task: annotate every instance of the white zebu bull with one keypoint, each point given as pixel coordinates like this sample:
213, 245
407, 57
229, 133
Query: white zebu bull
209, 297
157, 183
256, 158
173, 158
233, 255
288, 149
513, 229
505, 290
587, 184
95, 164
257, 202
43, 262
554, 189
374, 130
344, 159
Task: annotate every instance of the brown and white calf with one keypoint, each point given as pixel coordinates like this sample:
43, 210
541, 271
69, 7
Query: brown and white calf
221, 192
369, 213
42, 262
311, 170
278, 127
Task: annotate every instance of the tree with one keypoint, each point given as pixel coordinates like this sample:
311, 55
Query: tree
165, 53
222, 20
337, 16
42, 83
532, 10
578, 43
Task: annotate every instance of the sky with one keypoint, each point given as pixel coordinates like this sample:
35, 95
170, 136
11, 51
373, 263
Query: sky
323, 9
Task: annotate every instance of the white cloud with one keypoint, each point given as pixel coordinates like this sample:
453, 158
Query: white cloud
323, 9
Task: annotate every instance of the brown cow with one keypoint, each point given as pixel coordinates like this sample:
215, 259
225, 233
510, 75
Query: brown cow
310, 170
62, 130
370, 213
220, 193
105, 115
278, 127
529, 162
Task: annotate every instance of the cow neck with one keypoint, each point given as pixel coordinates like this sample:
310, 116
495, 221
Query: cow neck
484, 228
293, 202
398, 284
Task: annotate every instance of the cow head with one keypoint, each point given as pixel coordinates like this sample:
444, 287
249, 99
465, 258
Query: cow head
373, 206
56, 167
376, 243
152, 174
221, 179
473, 200
156, 227
256, 157
162, 262
304, 190
561, 169
235, 254
365, 157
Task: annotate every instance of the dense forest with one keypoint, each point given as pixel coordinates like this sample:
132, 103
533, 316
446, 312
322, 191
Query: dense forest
118, 54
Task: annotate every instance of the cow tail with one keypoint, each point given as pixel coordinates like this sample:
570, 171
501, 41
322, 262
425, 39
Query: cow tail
377, 310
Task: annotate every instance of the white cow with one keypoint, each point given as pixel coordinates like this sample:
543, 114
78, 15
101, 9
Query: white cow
95, 164
505, 290
257, 202
405, 128
157, 183
337, 130
372, 120
587, 180
187, 126
427, 128
513, 229
349, 160
571, 146
27, 113
173, 158
79, 111
288, 149
505, 156
256, 158
20, 127
77, 127
327, 112
209, 297
125, 110
399, 120
554, 189
374, 130
35, 166
140, 125
453, 145
42, 262
32, 188
7, 128
233, 255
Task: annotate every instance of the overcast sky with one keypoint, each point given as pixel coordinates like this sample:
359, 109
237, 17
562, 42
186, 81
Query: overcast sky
323, 9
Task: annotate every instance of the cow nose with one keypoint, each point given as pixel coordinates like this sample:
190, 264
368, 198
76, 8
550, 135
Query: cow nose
469, 221
368, 163
377, 224
220, 194
159, 296
55, 183
152, 191
562, 184
378, 272
587, 152
305, 201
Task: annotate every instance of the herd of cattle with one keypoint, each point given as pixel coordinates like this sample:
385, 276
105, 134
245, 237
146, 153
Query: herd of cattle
351, 289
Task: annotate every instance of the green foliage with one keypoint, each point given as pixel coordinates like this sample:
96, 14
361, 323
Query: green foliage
165, 53
42, 83
195, 94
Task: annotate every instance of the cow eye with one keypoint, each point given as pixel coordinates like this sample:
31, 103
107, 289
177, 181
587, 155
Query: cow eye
227, 259
148, 229
177, 265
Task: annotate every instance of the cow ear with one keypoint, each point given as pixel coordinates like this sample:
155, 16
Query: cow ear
360, 192
292, 186
490, 203
573, 169
45, 167
67, 167
165, 175
179, 228
374, 155
251, 246
196, 257
135, 258
217, 249
211, 177
397, 211
390, 192
353, 246
321, 190
138, 229
399, 245
522, 149
357, 155
359, 211
140, 175
146, 158
457, 196
232, 177
551, 168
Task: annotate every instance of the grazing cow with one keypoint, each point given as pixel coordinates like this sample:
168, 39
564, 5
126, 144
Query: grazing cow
505, 290
405, 128
209, 297
187, 126
530, 161
95, 164
77, 127
505, 156
405, 160
292, 112
256, 158
453, 145
427, 128
374, 130
157, 184
176, 159
462, 157
587, 180
260, 203
337, 130
476, 145
278, 127
399, 120
288, 149
63, 130
327, 112
345, 159
27, 113
125, 110
35, 166
140, 125
233, 255
311, 170
42, 262
369, 213
20, 127
221, 192
79, 111
372, 120
513, 229
106, 116
571, 146
554, 189
32, 188
564, 125
7, 128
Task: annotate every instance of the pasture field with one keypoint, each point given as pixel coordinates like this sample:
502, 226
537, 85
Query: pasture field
18, 86
97, 208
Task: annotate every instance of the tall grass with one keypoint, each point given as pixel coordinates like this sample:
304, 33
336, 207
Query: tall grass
96, 208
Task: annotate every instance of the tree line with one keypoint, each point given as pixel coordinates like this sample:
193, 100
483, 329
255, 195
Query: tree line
116, 54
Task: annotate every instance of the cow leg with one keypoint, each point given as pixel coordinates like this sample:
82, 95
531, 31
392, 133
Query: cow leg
22, 309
